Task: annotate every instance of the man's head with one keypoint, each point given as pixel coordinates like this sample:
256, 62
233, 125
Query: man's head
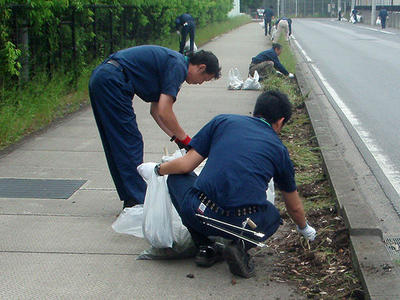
203, 66
274, 107
271, 7
277, 48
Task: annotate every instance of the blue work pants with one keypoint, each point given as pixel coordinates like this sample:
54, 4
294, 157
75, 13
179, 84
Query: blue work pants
185, 199
111, 96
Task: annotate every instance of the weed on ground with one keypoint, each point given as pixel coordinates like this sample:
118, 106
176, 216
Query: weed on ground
321, 269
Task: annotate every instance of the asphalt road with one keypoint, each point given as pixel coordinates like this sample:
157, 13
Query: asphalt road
362, 67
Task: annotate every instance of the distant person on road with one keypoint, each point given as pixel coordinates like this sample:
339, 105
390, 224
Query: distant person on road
283, 25
354, 13
340, 15
383, 14
266, 61
268, 16
155, 74
185, 25
243, 154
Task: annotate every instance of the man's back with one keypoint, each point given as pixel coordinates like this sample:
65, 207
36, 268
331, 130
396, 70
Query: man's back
268, 14
244, 153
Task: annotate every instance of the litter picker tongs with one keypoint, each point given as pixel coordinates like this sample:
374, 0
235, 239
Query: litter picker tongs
209, 222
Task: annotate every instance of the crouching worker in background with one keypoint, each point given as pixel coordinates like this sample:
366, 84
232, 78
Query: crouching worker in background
243, 153
265, 62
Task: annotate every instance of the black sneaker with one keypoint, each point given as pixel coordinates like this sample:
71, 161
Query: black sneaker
207, 256
239, 261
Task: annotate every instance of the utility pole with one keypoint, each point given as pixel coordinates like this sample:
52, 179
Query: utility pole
282, 8
373, 12
353, 4
277, 8
339, 8
296, 9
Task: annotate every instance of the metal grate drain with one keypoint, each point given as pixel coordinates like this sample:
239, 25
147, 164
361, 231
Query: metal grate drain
38, 188
393, 247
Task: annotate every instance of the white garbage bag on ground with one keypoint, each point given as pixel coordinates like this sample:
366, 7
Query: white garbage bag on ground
251, 83
130, 221
187, 46
378, 21
235, 79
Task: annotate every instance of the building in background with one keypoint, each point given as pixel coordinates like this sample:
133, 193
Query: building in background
235, 10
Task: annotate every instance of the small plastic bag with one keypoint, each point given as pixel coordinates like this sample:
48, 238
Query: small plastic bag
187, 47
378, 21
235, 79
252, 83
130, 221
271, 191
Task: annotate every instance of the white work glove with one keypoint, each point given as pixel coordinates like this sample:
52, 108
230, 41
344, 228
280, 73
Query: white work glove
279, 73
178, 32
308, 232
291, 75
146, 170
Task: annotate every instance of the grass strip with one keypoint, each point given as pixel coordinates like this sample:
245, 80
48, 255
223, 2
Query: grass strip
325, 270
43, 100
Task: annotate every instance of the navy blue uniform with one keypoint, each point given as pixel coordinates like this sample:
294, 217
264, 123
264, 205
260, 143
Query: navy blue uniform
186, 24
268, 14
146, 71
383, 14
270, 55
243, 153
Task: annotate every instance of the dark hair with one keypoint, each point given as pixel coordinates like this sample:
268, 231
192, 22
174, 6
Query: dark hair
271, 7
276, 46
207, 58
273, 105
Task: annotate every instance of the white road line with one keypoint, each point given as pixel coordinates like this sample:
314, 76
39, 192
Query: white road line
377, 30
387, 167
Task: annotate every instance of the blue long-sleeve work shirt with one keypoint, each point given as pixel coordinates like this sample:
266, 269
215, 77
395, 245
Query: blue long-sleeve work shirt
270, 55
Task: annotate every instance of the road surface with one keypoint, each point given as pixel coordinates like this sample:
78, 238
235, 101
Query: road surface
359, 67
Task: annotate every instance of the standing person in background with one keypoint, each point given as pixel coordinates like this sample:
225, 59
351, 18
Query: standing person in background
155, 74
383, 14
340, 15
185, 25
354, 14
268, 16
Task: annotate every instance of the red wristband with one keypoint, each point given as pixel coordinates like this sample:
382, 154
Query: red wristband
186, 141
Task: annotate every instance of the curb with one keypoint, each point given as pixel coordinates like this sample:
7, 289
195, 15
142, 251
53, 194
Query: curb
379, 278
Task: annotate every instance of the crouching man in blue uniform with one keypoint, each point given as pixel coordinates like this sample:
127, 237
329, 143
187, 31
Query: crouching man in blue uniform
155, 74
243, 153
266, 61
185, 25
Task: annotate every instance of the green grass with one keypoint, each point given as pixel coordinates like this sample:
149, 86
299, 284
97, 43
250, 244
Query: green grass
41, 101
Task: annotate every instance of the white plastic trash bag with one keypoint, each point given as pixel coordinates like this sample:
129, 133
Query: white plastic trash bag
235, 79
130, 221
252, 83
271, 191
262, 24
187, 46
378, 21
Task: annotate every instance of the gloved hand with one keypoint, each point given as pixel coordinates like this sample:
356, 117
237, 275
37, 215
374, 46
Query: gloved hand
146, 170
291, 75
178, 32
308, 232
183, 144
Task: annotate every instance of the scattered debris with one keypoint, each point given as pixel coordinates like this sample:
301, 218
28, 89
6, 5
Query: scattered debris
190, 276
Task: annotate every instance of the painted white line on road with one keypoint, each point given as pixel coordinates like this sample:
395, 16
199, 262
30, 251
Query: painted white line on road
308, 59
378, 30
382, 160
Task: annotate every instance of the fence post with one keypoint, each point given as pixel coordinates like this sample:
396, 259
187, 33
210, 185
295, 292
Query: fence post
111, 31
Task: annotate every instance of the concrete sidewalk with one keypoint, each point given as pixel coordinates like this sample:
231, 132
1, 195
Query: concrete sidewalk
57, 248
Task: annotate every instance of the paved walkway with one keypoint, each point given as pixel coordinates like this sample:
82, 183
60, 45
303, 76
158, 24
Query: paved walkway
67, 249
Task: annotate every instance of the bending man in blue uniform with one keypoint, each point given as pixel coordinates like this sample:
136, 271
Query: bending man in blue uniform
185, 25
243, 153
265, 61
155, 74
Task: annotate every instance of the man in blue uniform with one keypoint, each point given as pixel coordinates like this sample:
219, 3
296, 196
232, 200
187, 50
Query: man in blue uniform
268, 15
185, 25
283, 24
155, 74
265, 61
383, 14
243, 153
354, 13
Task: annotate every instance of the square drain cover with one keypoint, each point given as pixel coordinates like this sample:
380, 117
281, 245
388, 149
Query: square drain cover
393, 246
38, 188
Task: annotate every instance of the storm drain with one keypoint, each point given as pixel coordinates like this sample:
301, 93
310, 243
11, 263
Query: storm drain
38, 188
393, 247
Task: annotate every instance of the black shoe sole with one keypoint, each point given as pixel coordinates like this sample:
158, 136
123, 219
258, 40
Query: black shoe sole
234, 258
206, 263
